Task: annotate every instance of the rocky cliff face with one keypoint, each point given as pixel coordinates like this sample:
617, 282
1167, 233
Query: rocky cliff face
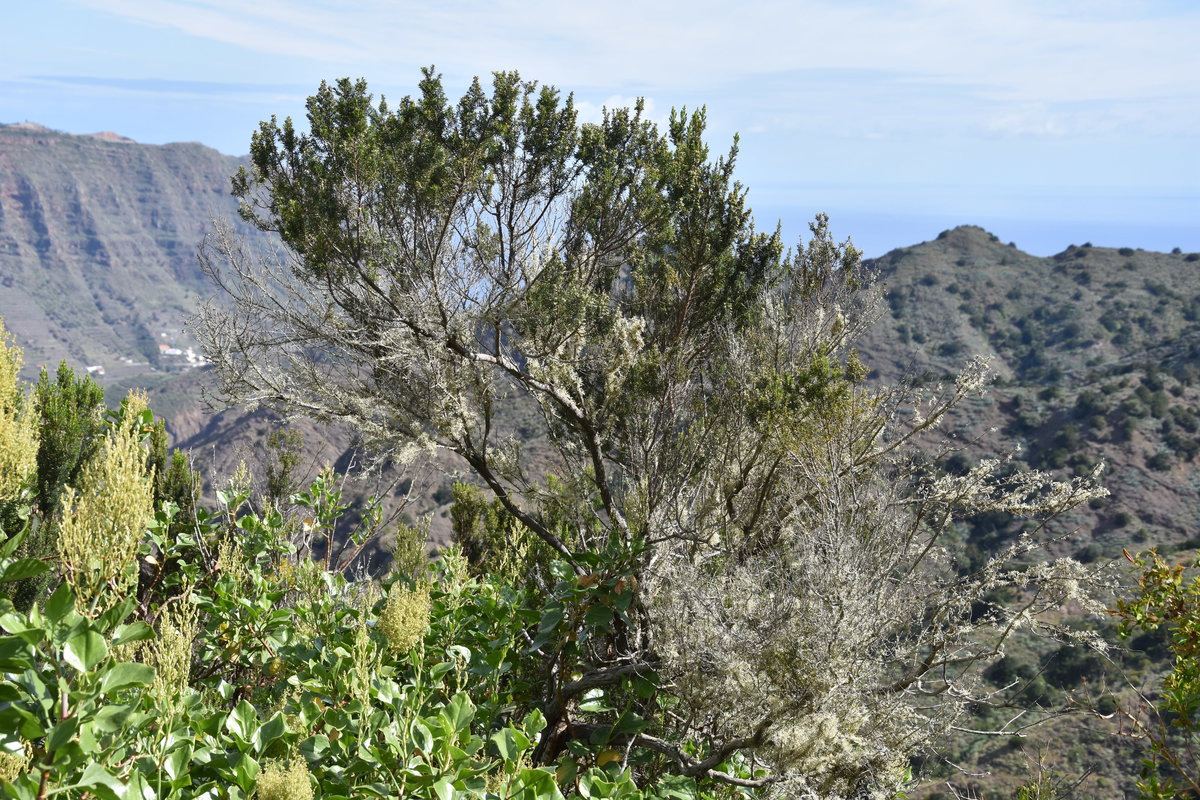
98, 240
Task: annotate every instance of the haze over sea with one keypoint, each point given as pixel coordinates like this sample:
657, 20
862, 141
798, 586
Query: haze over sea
1048, 123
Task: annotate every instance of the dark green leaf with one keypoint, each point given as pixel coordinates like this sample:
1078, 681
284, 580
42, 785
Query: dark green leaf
268, 732
422, 736
599, 616
25, 568
60, 604
113, 616
10, 545
62, 733
16, 654
15, 718
124, 674
133, 632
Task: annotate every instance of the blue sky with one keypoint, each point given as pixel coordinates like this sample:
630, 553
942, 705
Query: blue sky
1049, 122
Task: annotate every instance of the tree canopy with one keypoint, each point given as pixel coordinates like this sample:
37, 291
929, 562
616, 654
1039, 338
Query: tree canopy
746, 568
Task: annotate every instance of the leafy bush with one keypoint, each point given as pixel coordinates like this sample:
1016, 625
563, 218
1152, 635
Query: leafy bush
1166, 599
1159, 462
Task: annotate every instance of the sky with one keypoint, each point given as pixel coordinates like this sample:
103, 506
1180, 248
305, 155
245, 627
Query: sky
1048, 122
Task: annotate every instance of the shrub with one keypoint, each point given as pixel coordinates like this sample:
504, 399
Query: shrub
1159, 462
709, 422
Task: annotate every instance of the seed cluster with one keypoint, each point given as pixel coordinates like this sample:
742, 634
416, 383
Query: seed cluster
285, 783
18, 423
404, 618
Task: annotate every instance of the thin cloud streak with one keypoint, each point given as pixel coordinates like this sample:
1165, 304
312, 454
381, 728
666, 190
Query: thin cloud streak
175, 87
1016, 51
1053, 96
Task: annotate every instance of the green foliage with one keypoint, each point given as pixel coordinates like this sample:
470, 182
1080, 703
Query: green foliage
292, 677
286, 447
492, 540
71, 411
251, 670
70, 417
1167, 596
708, 423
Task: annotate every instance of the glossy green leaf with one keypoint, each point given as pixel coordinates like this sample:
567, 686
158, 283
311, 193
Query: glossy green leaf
133, 632
242, 721
116, 614
535, 784
16, 654
510, 743
84, 647
62, 733
17, 623
178, 761
25, 568
422, 736
112, 718
60, 604
15, 718
443, 789
101, 782
10, 545
268, 732
245, 771
125, 674
459, 712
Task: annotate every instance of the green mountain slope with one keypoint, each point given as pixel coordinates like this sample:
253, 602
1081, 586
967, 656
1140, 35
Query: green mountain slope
1097, 353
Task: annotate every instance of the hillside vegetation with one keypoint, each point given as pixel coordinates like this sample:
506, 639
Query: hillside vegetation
1096, 348
1096, 352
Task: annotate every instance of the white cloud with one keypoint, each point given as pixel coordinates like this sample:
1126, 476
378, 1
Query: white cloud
1019, 45
1016, 62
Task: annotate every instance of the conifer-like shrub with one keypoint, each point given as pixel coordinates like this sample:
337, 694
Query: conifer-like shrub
737, 526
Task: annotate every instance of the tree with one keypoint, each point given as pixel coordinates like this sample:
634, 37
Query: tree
748, 570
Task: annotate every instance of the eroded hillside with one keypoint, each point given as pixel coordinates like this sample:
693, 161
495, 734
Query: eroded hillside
98, 241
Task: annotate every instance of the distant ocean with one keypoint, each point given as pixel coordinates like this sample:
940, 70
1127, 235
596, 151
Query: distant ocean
1038, 224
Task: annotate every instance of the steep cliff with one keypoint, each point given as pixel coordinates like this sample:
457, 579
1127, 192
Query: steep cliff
98, 240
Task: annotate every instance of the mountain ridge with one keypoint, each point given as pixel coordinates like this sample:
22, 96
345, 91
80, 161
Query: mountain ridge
98, 236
